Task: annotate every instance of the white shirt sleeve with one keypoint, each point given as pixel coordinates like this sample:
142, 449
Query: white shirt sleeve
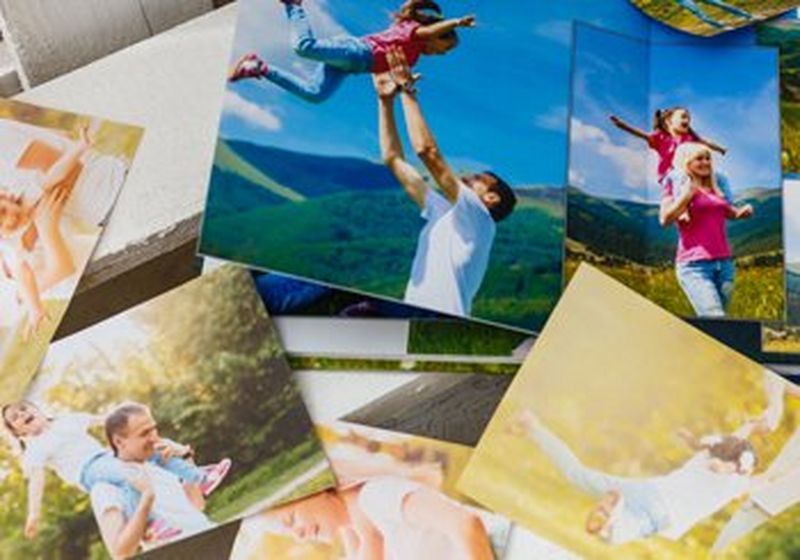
472, 218
35, 457
436, 205
381, 499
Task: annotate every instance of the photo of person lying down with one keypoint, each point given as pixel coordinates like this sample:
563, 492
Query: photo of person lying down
57, 188
653, 440
395, 500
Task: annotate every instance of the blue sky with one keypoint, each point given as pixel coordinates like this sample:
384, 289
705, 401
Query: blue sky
498, 101
732, 92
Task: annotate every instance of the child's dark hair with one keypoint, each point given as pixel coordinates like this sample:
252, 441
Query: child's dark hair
425, 12
732, 449
661, 117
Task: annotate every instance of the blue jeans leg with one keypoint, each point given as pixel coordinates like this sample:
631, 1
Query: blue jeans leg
320, 87
345, 52
187, 471
708, 285
107, 468
642, 499
285, 296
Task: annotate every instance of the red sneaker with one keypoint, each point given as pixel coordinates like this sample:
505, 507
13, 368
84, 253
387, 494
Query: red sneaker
248, 66
215, 474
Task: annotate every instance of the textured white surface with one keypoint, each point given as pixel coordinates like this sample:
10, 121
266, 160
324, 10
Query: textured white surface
163, 14
172, 85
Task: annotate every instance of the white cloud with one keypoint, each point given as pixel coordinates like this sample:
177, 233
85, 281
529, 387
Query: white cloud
577, 179
630, 160
553, 119
791, 213
249, 112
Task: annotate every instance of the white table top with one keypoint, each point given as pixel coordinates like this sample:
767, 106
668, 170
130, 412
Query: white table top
172, 85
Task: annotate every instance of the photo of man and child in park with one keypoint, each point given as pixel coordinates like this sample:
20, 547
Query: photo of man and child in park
398, 174
163, 422
677, 448
60, 175
688, 212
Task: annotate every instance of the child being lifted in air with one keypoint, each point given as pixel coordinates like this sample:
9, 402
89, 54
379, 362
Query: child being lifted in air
419, 28
671, 128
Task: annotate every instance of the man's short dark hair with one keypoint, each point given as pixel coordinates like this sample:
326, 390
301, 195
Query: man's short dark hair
508, 200
117, 420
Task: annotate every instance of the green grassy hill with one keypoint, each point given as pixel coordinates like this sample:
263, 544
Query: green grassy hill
365, 237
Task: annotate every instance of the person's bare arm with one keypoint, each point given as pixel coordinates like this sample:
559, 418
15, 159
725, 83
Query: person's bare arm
68, 161
59, 262
428, 509
713, 145
35, 495
443, 27
391, 147
29, 290
671, 208
622, 125
122, 537
691, 441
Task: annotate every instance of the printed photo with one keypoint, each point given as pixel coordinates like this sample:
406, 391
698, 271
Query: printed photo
711, 17
318, 317
60, 174
687, 208
651, 441
395, 500
336, 163
784, 33
158, 424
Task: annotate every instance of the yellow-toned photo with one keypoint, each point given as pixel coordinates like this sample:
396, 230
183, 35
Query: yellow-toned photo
60, 174
628, 433
396, 500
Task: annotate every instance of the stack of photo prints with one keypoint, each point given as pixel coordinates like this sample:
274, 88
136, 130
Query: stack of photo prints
568, 231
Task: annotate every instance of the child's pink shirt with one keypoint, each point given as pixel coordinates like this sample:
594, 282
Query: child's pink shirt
704, 236
665, 145
400, 35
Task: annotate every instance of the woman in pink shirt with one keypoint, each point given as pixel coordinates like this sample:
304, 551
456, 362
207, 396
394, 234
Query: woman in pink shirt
419, 28
704, 261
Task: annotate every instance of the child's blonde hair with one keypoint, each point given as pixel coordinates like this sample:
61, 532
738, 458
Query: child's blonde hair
687, 153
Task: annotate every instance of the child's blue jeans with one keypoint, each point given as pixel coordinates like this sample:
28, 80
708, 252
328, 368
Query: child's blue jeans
105, 467
708, 285
339, 56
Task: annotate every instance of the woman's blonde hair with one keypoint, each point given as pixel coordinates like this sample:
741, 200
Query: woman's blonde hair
687, 153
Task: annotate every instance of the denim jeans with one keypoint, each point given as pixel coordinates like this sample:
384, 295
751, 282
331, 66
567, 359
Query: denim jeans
692, 6
340, 56
708, 285
644, 512
105, 467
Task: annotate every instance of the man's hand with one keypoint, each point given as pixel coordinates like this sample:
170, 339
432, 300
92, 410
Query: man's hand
744, 212
141, 482
167, 450
401, 71
385, 85
467, 21
31, 527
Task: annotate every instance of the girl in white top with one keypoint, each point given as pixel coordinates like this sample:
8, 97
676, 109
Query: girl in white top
63, 444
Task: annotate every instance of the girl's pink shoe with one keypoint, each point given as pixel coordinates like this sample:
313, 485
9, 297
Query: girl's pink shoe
158, 530
215, 474
248, 66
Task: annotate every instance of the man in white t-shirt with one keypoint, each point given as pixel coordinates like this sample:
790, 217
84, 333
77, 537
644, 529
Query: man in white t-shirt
455, 245
133, 435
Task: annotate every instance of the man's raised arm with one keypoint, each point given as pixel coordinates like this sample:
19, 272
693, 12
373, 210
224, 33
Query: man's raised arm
391, 147
421, 137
